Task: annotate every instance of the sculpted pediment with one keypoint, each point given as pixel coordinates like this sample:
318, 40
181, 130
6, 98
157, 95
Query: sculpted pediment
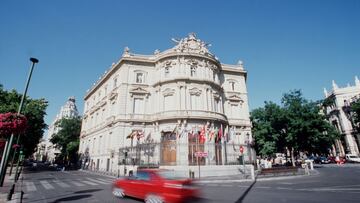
235, 98
168, 92
195, 91
139, 91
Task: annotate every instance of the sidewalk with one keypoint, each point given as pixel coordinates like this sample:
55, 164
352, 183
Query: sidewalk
4, 191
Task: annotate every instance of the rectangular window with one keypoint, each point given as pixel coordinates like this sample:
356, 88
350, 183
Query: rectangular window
167, 103
217, 105
138, 107
193, 71
232, 84
139, 77
193, 105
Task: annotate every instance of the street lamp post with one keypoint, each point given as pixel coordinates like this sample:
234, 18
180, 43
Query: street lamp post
7, 152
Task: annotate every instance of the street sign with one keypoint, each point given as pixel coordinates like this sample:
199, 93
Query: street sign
201, 154
241, 149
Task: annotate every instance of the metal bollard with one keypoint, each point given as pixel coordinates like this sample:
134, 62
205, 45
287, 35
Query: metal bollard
11, 192
21, 196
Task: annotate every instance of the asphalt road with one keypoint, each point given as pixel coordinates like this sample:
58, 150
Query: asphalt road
332, 184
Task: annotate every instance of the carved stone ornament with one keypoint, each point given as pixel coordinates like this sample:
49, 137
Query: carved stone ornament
192, 62
216, 95
235, 98
126, 52
168, 92
138, 91
195, 91
192, 44
168, 64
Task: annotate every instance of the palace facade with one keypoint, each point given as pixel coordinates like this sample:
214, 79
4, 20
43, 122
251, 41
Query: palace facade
340, 117
178, 109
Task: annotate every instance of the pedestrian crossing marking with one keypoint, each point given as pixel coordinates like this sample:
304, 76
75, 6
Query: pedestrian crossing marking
61, 184
77, 184
88, 182
46, 185
106, 180
97, 181
30, 186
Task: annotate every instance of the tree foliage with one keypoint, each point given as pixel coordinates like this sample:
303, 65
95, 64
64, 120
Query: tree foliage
297, 125
34, 110
355, 111
67, 138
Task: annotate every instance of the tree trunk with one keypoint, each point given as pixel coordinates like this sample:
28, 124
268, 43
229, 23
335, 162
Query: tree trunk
292, 156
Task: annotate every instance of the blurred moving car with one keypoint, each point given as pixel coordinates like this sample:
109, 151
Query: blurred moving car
156, 185
351, 158
341, 160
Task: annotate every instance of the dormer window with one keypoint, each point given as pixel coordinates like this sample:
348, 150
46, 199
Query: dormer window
139, 78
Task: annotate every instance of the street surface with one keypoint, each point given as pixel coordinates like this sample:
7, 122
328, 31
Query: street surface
332, 184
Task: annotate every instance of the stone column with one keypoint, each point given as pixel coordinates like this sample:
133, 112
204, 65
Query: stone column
204, 106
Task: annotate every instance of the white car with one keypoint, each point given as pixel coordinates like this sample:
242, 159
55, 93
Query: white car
352, 158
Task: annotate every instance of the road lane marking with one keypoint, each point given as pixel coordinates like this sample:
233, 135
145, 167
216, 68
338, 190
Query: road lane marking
77, 183
88, 182
30, 186
61, 184
97, 181
46, 185
226, 185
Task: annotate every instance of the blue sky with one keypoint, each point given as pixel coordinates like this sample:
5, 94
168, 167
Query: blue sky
285, 45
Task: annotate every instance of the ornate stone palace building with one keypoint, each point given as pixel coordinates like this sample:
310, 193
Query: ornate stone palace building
340, 116
176, 109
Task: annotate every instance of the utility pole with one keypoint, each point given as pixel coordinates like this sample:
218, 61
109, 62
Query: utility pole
8, 149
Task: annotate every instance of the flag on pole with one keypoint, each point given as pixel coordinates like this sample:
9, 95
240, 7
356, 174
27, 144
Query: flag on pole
132, 135
202, 137
140, 134
226, 134
221, 133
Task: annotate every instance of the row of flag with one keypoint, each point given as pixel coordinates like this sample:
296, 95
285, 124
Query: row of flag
206, 132
203, 133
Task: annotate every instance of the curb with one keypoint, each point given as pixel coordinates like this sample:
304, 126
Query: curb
315, 172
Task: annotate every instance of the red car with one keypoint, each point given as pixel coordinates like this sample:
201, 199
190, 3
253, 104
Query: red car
156, 185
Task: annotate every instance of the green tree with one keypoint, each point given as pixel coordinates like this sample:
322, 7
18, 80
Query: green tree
355, 111
34, 110
296, 126
268, 123
67, 138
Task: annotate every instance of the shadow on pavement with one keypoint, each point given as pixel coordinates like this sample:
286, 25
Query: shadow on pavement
246, 192
77, 197
88, 191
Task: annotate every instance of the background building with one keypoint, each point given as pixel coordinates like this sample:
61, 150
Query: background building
46, 148
339, 116
163, 108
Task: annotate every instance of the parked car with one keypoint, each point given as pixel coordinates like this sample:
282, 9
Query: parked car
321, 160
351, 158
156, 185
